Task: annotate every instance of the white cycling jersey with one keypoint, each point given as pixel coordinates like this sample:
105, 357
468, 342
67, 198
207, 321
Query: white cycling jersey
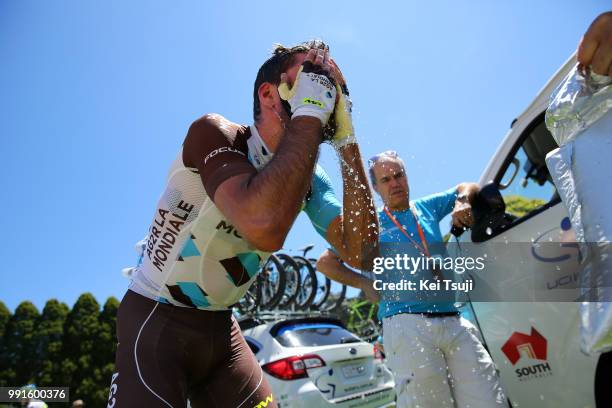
193, 256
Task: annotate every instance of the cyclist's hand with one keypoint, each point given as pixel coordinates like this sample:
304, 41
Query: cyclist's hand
340, 130
312, 93
370, 293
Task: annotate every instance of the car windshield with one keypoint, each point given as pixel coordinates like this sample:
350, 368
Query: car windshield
314, 334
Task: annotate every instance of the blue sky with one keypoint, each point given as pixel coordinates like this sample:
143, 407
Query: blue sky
96, 98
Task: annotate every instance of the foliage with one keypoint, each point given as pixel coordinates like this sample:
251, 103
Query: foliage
17, 357
60, 347
48, 342
104, 352
520, 206
5, 315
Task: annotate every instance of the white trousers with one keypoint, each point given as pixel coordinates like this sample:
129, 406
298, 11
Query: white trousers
440, 362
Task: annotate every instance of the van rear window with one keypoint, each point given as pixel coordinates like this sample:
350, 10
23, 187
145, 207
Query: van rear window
314, 334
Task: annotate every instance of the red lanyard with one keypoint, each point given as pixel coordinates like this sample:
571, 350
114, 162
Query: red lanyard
423, 249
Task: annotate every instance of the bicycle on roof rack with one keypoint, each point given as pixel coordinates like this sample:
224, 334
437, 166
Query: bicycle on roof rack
292, 284
363, 320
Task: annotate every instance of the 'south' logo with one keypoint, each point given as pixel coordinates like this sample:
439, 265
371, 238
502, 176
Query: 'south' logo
532, 345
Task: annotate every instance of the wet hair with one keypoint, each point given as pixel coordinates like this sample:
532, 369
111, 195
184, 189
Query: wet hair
386, 155
282, 58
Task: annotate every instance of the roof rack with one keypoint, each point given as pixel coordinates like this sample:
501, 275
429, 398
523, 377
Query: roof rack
317, 319
261, 317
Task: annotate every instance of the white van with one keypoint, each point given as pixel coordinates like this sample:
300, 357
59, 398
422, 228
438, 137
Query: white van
535, 344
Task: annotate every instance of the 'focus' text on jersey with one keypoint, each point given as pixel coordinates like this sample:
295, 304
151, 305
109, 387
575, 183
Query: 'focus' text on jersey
193, 256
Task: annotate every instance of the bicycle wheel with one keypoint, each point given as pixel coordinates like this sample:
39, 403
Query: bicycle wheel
273, 280
323, 287
250, 300
292, 281
367, 330
336, 297
361, 319
308, 283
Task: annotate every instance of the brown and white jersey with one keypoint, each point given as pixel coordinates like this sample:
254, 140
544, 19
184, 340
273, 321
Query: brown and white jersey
193, 256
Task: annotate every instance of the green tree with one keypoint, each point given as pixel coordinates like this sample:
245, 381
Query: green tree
48, 343
104, 352
520, 206
81, 331
107, 344
18, 355
5, 315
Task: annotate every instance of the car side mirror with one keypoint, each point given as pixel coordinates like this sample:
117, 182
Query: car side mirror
489, 210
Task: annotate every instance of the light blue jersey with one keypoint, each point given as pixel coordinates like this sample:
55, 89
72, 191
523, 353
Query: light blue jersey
321, 204
430, 211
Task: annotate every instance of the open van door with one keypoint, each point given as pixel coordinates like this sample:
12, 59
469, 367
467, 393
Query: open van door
525, 299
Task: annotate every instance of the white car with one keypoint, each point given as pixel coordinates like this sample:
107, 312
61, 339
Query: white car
315, 362
535, 344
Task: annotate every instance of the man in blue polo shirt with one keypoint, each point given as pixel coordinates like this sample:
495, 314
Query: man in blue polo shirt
436, 356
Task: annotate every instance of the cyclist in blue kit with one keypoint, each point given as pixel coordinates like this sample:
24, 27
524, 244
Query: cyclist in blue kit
232, 194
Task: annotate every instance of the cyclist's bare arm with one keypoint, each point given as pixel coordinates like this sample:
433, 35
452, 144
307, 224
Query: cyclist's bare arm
261, 205
329, 264
355, 234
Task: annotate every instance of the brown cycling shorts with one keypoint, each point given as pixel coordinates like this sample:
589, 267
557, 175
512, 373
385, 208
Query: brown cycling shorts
170, 354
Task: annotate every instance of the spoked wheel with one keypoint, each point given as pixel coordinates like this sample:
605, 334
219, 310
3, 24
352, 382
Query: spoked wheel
293, 282
308, 283
250, 300
336, 297
323, 288
272, 281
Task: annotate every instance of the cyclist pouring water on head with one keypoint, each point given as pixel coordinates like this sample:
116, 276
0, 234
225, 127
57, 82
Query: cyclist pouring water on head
232, 194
